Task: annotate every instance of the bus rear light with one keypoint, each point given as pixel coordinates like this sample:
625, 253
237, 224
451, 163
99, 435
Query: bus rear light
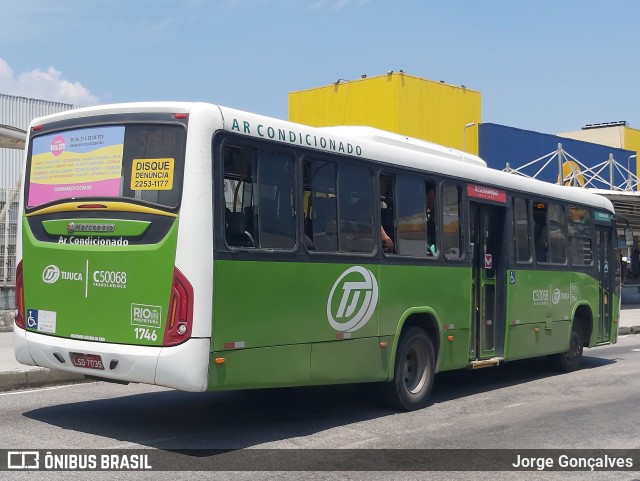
36, 128
20, 310
180, 314
181, 116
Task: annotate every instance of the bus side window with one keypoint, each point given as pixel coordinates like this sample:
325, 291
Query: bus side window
321, 211
259, 198
387, 216
238, 191
276, 210
451, 230
521, 230
557, 234
355, 201
432, 230
540, 236
581, 250
411, 207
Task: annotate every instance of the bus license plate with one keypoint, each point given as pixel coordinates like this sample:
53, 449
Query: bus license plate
88, 361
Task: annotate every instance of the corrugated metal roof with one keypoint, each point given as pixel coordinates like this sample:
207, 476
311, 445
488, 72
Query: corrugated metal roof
18, 112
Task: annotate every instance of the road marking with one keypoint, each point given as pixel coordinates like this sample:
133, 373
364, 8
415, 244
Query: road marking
514, 405
23, 391
635, 350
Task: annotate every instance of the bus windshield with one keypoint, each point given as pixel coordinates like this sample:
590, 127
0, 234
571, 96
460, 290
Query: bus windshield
134, 161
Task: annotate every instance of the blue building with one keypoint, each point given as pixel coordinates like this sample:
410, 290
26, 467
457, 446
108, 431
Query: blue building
500, 144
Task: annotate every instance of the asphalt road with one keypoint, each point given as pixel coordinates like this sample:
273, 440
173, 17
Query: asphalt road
521, 405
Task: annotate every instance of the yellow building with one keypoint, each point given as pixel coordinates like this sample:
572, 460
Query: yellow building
613, 134
396, 102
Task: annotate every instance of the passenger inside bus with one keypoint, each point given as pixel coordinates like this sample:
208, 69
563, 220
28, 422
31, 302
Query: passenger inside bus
386, 223
540, 236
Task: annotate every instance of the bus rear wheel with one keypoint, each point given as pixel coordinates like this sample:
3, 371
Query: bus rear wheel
414, 370
569, 360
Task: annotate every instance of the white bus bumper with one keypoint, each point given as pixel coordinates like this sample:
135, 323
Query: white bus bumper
184, 367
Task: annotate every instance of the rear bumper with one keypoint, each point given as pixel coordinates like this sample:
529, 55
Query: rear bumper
183, 367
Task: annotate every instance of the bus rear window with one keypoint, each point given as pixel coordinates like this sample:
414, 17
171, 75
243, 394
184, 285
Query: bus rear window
136, 161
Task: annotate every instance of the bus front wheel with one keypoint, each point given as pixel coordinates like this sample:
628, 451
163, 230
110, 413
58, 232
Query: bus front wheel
414, 370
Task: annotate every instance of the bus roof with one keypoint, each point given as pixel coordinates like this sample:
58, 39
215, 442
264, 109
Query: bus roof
356, 141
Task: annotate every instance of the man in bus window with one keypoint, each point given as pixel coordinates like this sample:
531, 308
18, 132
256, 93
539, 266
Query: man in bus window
386, 215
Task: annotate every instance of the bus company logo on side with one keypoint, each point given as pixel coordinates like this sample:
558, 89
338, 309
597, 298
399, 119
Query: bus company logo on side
558, 296
540, 297
356, 297
50, 274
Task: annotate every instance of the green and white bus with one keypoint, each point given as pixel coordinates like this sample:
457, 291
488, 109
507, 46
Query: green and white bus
201, 248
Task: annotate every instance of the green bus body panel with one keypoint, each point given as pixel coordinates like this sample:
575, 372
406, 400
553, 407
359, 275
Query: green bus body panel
350, 360
121, 227
261, 367
98, 292
346, 361
525, 341
280, 304
274, 314
454, 354
546, 300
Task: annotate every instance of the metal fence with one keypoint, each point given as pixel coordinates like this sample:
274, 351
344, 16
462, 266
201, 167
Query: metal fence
8, 233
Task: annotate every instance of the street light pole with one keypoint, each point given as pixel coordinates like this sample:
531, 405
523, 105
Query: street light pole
464, 135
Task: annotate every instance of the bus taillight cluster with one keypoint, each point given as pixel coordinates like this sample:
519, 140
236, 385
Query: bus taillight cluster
180, 315
20, 311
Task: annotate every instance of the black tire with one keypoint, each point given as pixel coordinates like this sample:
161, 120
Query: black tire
571, 359
414, 369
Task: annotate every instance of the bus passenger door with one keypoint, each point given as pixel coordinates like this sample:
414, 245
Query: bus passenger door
606, 268
489, 260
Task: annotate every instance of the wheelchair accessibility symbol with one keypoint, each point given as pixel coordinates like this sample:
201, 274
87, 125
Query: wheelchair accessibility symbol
32, 319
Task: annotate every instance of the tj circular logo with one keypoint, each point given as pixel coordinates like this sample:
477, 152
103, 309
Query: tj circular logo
50, 274
556, 296
358, 301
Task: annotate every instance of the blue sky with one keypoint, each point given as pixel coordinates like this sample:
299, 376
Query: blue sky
544, 65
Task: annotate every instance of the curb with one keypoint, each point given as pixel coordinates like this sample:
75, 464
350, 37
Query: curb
624, 331
37, 377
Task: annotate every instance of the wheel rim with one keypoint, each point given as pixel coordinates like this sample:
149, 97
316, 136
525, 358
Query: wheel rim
414, 369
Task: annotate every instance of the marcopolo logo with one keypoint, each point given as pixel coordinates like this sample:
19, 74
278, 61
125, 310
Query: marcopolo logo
50, 274
353, 309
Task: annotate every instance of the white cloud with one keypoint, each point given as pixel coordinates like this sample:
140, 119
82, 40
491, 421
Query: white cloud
46, 84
